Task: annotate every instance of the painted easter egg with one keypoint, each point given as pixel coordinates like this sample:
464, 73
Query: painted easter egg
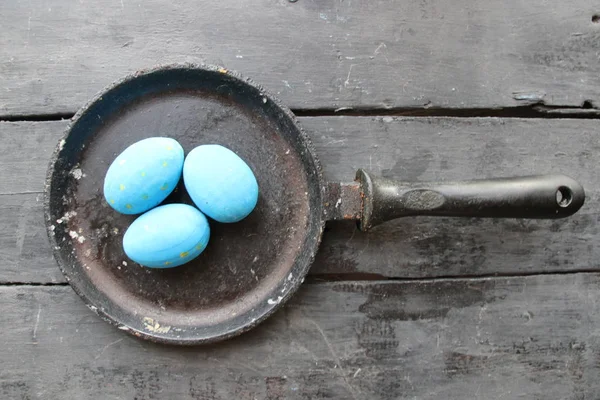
167, 236
220, 183
143, 175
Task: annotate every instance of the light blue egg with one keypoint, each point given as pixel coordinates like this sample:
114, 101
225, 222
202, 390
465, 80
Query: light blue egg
220, 183
167, 236
143, 175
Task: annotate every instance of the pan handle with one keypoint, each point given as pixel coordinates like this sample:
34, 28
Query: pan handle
541, 196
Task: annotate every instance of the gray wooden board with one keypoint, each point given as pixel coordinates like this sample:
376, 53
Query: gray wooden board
311, 53
409, 148
500, 338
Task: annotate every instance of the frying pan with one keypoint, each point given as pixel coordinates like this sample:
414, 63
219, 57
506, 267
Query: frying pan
250, 268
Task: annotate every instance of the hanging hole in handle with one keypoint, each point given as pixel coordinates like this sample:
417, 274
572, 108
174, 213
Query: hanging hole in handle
564, 196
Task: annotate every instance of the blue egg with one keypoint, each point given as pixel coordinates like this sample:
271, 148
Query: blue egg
220, 183
143, 175
167, 236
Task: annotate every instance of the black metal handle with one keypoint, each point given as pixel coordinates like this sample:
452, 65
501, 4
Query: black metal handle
543, 196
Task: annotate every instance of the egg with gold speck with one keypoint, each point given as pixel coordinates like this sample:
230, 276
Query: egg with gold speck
221, 183
143, 175
167, 236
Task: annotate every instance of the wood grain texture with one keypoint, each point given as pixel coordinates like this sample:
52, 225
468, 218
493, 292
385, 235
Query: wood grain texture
312, 54
25, 154
24, 247
533, 338
446, 149
404, 148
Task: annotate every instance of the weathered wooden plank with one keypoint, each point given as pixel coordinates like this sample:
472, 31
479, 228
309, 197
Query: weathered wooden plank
533, 338
24, 157
409, 148
24, 248
454, 149
25, 154
397, 147
464, 54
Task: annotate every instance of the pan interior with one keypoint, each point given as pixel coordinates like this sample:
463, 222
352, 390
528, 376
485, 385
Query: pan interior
247, 268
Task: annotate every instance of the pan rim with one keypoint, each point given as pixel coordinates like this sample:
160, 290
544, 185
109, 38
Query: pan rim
315, 215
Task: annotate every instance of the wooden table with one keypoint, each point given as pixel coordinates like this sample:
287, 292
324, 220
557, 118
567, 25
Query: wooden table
420, 308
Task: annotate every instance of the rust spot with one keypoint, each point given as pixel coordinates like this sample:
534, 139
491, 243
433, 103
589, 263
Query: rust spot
343, 201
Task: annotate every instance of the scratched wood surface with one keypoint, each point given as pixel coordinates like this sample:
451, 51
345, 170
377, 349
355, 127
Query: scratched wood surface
311, 53
499, 338
379, 317
402, 148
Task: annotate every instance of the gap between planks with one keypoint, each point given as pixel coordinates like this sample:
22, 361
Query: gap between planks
376, 278
538, 110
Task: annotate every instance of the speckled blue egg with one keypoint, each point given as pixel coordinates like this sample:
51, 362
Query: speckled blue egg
143, 175
220, 183
167, 236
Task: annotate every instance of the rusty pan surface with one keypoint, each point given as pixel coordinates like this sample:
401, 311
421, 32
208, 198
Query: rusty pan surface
249, 268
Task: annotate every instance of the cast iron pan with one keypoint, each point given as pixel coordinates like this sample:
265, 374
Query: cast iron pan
252, 267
